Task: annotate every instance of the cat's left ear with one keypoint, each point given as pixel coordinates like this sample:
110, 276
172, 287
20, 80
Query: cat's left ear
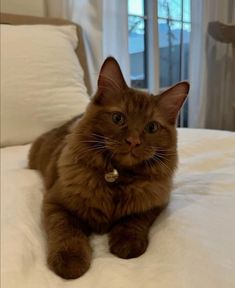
171, 100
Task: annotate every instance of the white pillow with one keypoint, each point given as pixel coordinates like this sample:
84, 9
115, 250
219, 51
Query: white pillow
41, 80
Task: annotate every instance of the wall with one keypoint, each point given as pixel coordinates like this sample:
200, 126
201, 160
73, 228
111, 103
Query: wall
24, 7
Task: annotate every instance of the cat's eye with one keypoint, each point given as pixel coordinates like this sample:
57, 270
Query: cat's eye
151, 127
118, 118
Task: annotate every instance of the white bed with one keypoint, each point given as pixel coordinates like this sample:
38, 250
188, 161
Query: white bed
192, 244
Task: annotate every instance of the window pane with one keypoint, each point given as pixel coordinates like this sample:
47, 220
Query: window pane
186, 10
170, 9
136, 25
186, 41
169, 33
136, 7
136, 31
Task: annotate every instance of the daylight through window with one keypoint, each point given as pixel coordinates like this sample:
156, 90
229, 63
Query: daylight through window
174, 26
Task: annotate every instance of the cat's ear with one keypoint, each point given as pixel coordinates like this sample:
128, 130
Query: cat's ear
171, 100
110, 82
110, 76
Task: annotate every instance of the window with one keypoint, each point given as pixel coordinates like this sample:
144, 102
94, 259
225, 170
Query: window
173, 35
173, 23
137, 43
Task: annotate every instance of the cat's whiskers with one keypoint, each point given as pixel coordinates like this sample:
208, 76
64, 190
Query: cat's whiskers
106, 143
99, 145
161, 149
151, 163
162, 163
106, 138
92, 141
147, 163
99, 135
93, 134
165, 155
89, 149
82, 154
98, 138
158, 158
160, 152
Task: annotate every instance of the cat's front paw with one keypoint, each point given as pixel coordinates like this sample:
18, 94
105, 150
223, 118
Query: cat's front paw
70, 263
128, 245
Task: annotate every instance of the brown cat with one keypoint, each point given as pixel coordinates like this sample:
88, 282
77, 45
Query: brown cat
110, 171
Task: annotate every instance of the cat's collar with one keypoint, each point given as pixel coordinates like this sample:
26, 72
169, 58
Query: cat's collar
115, 174
111, 176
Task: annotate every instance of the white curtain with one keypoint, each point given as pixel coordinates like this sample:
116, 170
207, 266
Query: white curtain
105, 28
211, 70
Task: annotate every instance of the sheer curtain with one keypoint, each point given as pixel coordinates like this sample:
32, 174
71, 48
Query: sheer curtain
211, 72
105, 27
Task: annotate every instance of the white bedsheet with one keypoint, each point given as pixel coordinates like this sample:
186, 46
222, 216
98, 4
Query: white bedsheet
192, 244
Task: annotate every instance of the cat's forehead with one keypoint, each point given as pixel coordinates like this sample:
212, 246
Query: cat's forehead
139, 106
137, 102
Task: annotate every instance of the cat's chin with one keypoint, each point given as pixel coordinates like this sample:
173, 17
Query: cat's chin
128, 159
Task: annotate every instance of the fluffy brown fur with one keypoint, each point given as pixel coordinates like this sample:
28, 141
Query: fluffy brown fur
74, 158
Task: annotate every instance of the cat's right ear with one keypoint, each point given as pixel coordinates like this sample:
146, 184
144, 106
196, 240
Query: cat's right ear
110, 80
111, 76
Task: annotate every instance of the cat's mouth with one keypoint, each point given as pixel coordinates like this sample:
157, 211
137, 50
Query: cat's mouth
128, 158
133, 154
130, 153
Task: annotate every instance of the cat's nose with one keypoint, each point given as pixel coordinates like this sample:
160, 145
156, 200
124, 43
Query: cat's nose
133, 141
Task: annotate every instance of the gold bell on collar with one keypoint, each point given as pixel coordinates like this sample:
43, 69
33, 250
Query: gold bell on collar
111, 176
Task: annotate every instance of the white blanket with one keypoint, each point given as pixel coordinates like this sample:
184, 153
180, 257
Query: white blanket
192, 244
